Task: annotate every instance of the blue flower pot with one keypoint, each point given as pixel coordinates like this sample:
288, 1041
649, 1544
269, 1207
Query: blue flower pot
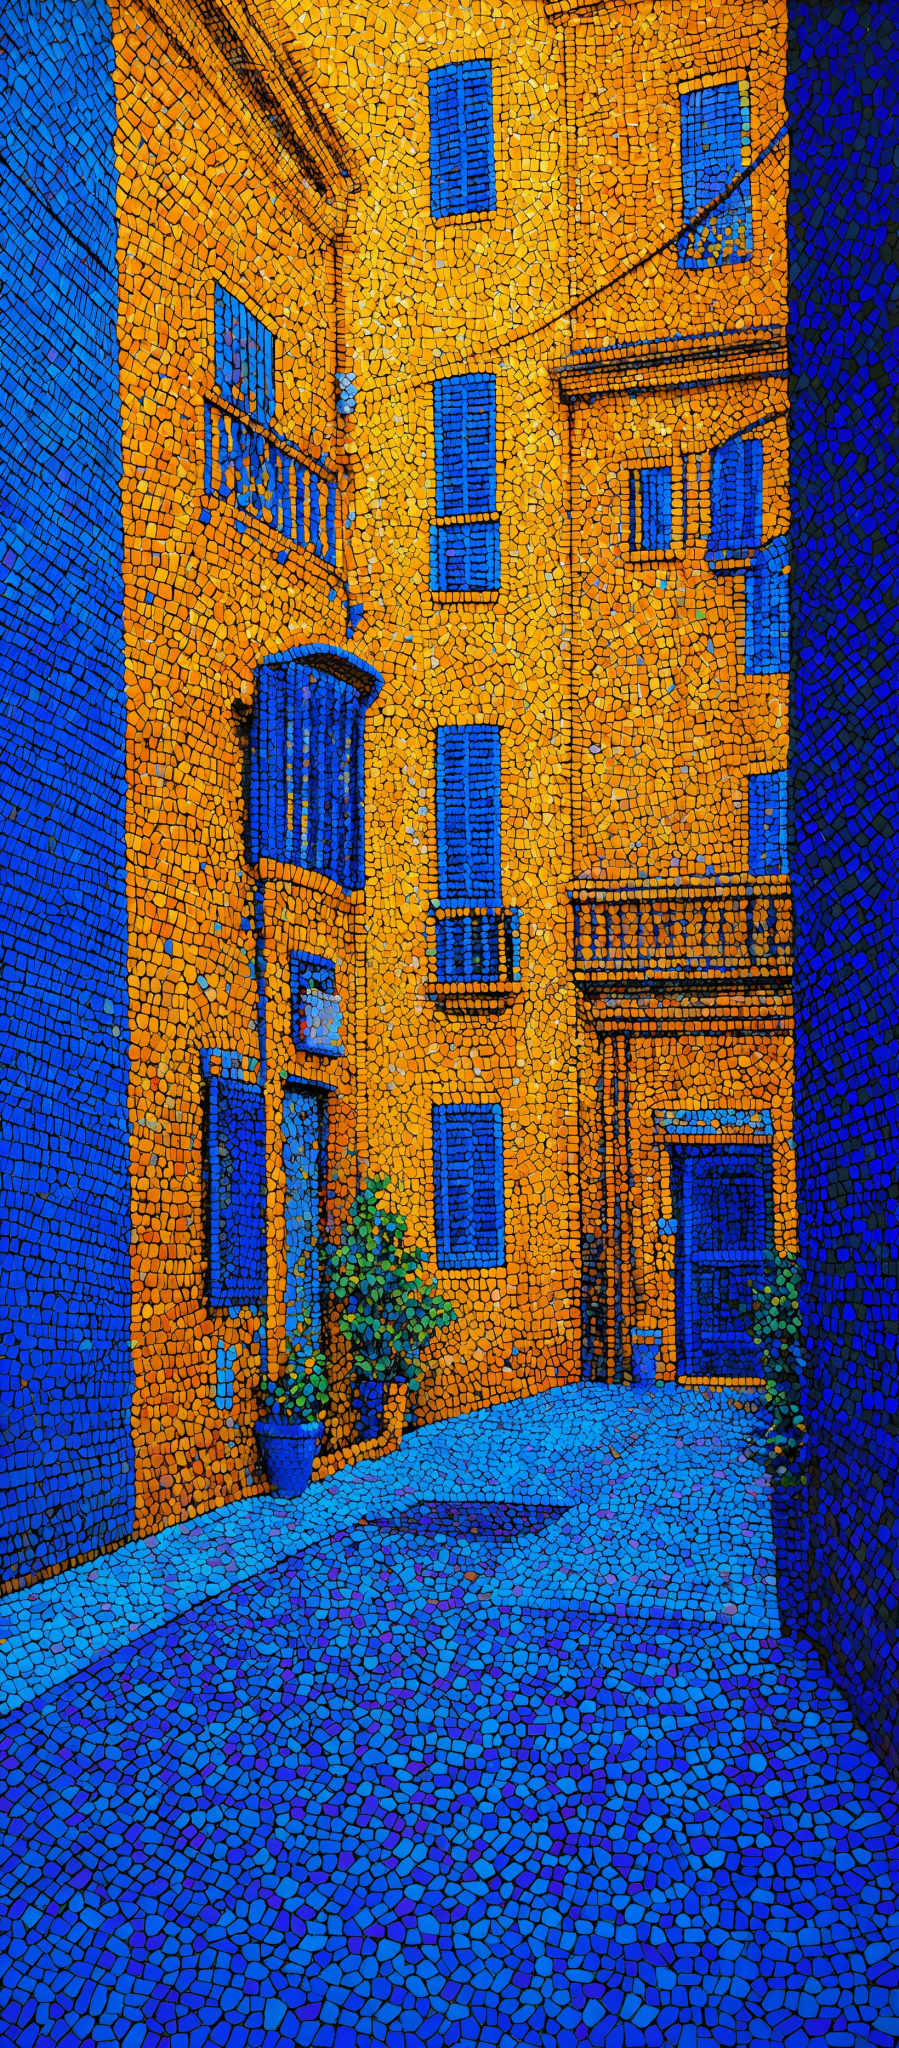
288, 1450
367, 1401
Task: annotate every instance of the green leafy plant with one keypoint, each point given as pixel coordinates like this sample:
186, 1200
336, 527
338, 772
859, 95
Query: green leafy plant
777, 1331
302, 1392
388, 1310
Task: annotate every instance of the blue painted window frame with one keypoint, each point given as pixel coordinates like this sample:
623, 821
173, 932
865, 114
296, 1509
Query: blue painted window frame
768, 834
460, 106
236, 1192
715, 147
736, 485
650, 510
469, 1195
244, 358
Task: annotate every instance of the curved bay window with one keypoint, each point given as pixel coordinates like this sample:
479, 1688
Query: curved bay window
305, 779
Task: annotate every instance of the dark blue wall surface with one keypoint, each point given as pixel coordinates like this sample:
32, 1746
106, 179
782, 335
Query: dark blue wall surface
66, 1482
842, 94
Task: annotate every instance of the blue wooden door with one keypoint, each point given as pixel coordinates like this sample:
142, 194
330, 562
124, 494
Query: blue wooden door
722, 1244
303, 1139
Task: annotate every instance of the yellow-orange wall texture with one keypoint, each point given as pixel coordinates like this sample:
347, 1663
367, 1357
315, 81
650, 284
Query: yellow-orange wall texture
427, 298
206, 196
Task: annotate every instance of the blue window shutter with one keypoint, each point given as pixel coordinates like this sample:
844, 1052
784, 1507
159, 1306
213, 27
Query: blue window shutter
768, 824
468, 816
468, 1184
305, 781
735, 497
465, 445
714, 150
461, 138
465, 557
235, 1170
655, 508
768, 611
244, 358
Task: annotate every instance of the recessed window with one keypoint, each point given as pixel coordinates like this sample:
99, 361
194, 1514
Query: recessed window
650, 511
715, 148
461, 138
468, 1184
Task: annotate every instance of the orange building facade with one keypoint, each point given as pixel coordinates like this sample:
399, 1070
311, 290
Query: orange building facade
529, 953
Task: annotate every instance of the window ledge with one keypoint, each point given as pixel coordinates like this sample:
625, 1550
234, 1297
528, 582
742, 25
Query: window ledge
466, 596
464, 996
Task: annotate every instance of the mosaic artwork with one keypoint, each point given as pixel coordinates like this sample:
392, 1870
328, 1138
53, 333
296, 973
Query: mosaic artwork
450, 1163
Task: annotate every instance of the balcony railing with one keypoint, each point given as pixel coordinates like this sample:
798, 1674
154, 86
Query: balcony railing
737, 930
270, 481
475, 945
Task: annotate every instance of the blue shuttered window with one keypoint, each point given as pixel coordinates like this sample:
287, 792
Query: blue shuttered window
461, 138
235, 1177
768, 611
469, 1218
465, 556
735, 497
467, 785
768, 853
468, 815
244, 358
715, 148
650, 509
306, 766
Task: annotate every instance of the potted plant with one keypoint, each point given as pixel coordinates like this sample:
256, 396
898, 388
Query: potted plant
387, 1310
777, 1331
290, 1430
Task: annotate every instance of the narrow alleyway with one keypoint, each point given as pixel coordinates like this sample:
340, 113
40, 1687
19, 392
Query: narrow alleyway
492, 1742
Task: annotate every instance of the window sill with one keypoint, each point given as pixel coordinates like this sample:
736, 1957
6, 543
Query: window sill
466, 596
466, 996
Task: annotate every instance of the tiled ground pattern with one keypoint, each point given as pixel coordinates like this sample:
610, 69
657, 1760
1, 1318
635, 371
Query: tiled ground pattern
464, 1770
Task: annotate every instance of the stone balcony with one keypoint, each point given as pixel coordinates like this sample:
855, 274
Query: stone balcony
704, 933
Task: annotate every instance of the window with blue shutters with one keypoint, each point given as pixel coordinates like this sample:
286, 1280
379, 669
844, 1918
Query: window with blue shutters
768, 853
465, 534
715, 148
244, 358
469, 1201
650, 510
735, 498
235, 1181
461, 138
768, 611
305, 771
467, 784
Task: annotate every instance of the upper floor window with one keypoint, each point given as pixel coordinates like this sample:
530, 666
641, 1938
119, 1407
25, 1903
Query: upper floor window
461, 111
468, 815
715, 148
650, 510
768, 610
735, 497
469, 1217
305, 779
768, 824
464, 544
244, 358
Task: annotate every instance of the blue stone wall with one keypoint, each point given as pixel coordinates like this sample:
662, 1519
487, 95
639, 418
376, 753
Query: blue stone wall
842, 98
65, 1382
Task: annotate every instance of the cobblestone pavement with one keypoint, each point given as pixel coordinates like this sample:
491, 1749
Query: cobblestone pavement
495, 1741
